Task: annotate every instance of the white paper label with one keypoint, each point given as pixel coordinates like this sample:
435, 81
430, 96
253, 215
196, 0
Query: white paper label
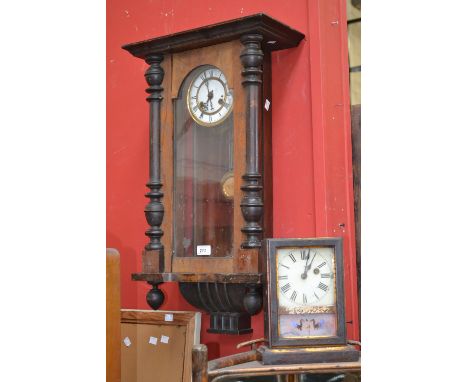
153, 340
203, 250
164, 339
168, 317
127, 342
267, 104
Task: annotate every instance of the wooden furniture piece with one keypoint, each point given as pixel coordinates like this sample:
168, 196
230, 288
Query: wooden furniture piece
248, 364
112, 315
210, 181
157, 346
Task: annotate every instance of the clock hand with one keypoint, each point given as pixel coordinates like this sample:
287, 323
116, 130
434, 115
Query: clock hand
304, 274
209, 95
308, 265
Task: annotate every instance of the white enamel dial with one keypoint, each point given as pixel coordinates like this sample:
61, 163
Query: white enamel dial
305, 277
209, 99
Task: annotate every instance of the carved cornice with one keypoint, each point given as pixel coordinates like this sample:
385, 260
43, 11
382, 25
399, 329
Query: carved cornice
276, 36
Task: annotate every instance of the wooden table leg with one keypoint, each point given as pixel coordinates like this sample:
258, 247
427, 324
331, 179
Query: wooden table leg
289, 378
200, 363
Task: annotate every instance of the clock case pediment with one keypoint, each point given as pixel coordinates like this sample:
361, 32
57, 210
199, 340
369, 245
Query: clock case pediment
228, 287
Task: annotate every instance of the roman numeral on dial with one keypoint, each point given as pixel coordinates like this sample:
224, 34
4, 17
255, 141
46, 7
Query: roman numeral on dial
293, 296
321, 265
303, 255
292, 257
326, 275
286, 287
323, 287
304, 298
283, 277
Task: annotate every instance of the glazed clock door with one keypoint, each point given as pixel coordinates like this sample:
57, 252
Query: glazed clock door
306, 292
203, 165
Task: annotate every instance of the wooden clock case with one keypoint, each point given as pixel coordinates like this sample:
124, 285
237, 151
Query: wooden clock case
228, 287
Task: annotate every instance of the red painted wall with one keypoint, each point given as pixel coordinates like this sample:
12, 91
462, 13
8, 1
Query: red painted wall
312, 168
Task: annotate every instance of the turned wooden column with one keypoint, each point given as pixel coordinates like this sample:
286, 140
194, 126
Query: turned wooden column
154, 210
252, 203
153, 256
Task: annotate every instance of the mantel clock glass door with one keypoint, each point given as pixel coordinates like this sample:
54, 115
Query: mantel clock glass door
306, 292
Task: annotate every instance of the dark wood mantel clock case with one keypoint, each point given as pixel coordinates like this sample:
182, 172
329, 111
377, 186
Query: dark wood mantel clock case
210, 200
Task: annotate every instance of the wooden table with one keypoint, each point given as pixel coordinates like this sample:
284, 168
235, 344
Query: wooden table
247, 364
255, 369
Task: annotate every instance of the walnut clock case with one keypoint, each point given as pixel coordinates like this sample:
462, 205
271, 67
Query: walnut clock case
304, 297
210, 199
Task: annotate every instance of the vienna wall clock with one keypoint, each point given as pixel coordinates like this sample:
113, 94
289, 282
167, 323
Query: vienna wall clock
210, 200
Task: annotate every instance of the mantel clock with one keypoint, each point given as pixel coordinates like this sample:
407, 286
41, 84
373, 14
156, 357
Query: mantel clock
304, 298
210, 202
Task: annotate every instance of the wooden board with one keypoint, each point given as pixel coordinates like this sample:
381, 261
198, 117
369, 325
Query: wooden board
112, 315
356, 140
241, 278
167, 173
143, 361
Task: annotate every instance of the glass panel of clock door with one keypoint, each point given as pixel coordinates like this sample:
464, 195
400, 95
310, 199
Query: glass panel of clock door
203, 174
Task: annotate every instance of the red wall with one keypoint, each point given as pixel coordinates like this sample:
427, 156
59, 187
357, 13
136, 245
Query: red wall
312, 171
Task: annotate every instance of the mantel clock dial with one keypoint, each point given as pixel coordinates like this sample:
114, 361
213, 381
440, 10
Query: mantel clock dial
209, 98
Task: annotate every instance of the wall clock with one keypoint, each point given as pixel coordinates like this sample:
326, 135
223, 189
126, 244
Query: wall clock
304, 296
210, 200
